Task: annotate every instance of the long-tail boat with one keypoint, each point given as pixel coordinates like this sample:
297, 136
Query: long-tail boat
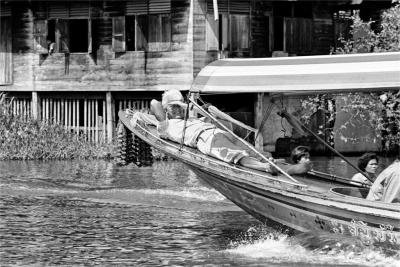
312, 202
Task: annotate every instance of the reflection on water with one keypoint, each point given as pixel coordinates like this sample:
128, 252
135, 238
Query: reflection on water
94, 212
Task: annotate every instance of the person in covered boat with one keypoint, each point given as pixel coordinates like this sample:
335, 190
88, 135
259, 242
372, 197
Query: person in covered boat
386, 187
206, 136
368, 163
300, 154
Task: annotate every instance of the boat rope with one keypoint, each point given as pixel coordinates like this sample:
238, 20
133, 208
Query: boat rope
266, 115
247, 144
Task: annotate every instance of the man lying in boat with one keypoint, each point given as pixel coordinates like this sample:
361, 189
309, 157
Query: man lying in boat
206, 136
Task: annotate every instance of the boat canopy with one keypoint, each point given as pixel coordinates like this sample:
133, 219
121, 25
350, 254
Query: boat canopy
301, 75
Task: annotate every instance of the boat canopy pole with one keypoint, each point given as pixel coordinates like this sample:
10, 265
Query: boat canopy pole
292, 118
184, 126
246, 144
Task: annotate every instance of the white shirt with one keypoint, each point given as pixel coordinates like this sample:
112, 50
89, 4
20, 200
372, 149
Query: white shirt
172, 129
359, 177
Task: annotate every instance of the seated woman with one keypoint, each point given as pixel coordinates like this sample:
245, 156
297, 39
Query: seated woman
300, 154
390, 179
368, 163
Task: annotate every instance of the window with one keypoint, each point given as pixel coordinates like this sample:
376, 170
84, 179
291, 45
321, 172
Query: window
40, 36
118, 34
220, 36
130, 33
142, 32
67, 35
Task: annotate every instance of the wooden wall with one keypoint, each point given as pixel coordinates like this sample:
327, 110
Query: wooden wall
261, 29
104, 70
200, 57
6, 66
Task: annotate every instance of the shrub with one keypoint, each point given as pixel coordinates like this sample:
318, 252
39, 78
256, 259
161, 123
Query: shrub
22, 137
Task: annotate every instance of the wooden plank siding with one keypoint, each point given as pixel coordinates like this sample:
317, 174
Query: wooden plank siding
104, 69
6, 63
323, 31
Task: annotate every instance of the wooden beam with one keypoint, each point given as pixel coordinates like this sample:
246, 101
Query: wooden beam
35, 106
110, 116
215, 7
258, 116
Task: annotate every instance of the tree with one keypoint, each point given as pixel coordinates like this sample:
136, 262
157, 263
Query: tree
380, 110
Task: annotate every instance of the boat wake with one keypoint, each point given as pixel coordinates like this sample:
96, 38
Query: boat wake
264, 243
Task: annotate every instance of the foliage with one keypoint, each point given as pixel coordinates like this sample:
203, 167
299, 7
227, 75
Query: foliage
379, 111
366, 39
24, 138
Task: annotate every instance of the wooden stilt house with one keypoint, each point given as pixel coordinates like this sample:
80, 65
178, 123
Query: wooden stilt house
78, 62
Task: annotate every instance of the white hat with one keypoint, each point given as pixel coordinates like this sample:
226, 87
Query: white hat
171, 97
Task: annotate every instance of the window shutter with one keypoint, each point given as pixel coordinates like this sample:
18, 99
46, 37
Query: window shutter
159, 6
309, 34
212, 33
141, 32
225, 31
240, 32
62, 35
118, 33
79, 9
40, 36
5, 11
222, 6
166, 28
159, 37
58, 10
136, 7
90, 39
239, 6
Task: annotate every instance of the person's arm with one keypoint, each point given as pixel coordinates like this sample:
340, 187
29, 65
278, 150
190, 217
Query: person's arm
157, 109
299, 168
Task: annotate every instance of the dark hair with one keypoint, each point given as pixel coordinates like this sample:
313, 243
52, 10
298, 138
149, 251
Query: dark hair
175, 111
298, 153
365, 158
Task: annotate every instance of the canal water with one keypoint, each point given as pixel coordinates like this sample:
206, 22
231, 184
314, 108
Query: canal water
82, 213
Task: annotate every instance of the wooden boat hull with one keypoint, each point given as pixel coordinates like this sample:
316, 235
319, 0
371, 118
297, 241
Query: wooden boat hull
305, 215
308, 206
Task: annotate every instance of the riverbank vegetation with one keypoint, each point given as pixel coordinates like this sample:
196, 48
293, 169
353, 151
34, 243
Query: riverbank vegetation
22, 137
380, 111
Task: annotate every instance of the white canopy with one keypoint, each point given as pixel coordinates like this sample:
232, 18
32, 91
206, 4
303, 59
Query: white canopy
298, 75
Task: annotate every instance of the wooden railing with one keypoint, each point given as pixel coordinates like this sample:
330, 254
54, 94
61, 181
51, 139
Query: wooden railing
91, 116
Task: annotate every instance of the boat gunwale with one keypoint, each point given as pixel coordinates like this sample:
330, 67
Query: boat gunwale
292, 190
